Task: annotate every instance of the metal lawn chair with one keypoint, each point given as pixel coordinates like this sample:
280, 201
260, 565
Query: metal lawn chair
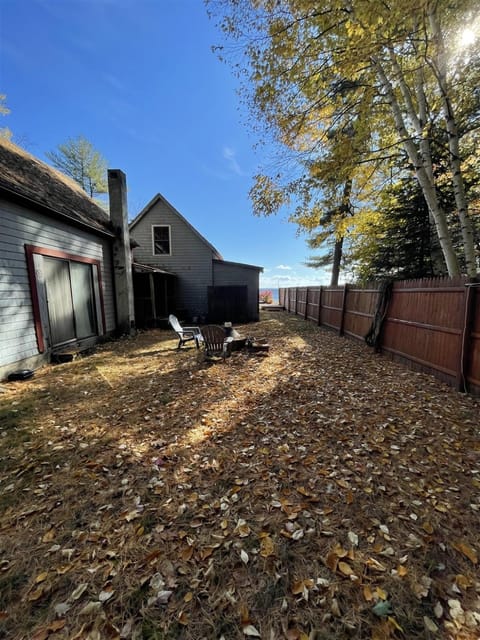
185, 333
215, 342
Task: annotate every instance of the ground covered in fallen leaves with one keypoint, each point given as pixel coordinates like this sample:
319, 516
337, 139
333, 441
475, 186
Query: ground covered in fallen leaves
319, 492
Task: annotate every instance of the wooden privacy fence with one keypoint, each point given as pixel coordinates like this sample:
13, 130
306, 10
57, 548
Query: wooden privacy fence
433, 325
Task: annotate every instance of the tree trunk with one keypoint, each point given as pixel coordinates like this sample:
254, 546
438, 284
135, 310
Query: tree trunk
440, 70
422, 173
337, 259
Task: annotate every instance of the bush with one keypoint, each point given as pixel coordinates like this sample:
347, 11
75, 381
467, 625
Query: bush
266, 296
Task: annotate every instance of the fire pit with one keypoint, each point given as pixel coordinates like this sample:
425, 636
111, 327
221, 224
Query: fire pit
238, 343
257, 344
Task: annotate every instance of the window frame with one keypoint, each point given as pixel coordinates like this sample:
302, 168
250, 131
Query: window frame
162, 226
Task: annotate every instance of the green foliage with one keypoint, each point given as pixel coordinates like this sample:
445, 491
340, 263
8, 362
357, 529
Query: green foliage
78, 159
400, 242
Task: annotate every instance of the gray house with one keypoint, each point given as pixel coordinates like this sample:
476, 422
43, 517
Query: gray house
65, 276
176, 270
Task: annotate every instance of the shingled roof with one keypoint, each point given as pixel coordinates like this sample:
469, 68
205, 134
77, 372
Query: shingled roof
27, 180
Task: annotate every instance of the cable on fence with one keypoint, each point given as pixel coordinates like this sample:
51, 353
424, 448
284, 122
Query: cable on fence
372, 338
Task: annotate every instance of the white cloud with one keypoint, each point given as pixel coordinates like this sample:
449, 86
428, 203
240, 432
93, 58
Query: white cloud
231, 157
283, 266
294, 279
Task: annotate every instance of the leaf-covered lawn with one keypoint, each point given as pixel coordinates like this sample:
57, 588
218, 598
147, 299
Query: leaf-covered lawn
320, 492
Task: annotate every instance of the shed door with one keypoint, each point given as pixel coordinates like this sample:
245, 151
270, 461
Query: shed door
70, 300
227, 303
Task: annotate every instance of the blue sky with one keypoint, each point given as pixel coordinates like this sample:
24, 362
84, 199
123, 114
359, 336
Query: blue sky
138, 79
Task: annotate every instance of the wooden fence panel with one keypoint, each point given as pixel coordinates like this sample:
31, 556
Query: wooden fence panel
332, 304
313, 302
361, 304
424, 325
301, 301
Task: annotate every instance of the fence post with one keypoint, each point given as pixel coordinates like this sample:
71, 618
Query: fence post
296, 300
344, 304
461, 382
319, 319
306, 306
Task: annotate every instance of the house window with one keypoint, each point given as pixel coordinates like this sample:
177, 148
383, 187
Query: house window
67, 296
161, 240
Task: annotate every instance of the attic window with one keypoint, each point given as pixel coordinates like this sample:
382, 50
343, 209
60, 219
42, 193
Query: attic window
161, 240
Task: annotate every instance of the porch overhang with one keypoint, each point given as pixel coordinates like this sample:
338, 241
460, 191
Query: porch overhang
146, 268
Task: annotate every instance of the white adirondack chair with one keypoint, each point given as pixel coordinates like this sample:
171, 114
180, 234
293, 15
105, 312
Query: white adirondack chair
185, 333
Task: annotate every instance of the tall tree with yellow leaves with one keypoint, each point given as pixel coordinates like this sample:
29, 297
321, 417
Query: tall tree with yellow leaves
389, 70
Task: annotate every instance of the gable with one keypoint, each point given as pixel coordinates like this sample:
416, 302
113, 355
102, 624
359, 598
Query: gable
160, 212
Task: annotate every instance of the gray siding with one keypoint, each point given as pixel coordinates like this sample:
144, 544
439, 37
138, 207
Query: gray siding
226, 273
20, 226
190, 259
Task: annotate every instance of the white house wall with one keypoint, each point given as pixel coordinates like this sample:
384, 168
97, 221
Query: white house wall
190, 259
19, 227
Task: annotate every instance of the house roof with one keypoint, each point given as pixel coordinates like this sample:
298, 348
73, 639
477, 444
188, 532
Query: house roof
238, 264
138, 267
160, 198
31, 182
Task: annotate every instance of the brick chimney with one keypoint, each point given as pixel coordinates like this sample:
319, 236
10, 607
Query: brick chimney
122, 257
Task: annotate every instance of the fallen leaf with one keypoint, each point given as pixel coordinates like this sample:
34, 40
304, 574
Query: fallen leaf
367, 593
466, 550
56, 625
163, 596
250, 630
103, 596
345, 568
438, 610
41, 577
375, 565
78, 592
430, 624
242, 529
335, 608
428, 527
91, 607
49, 535
380, 593
33, 596
299, 586
187, 553
267, 548
353, 538
183, 618
61, 608
331, 561
393, 623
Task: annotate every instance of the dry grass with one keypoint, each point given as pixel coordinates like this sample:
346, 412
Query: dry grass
147, 494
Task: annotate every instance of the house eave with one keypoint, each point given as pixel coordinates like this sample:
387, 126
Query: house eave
238, 264
20, 198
